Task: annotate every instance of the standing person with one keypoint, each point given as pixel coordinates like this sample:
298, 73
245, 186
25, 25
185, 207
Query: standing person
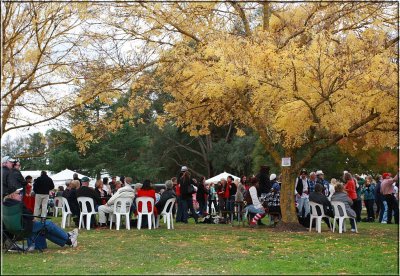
17, 179
186, 194
255, 207
369, 197
179, 210
272, 200
341, 196
212, 198
350, 188
323, 182
42, 187
229, 195
359, 184
6, 166
201, 196
220, 193
387, 190
245, 183
313, 181
239, 192
332, 185
302, 190
264, 185
28, 199
381, 203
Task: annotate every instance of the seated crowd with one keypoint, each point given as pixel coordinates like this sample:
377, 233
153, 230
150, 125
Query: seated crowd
257, 196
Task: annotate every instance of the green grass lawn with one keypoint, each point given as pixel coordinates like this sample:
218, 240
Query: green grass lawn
217, 249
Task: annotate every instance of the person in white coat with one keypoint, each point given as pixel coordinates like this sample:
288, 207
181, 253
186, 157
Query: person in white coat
124, 192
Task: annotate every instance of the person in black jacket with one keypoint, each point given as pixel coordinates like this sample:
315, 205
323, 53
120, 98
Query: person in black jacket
42, 186
263, 180
167, 194
85, 190
53, 232
17, 180
7, 177
201, 196
319, 197
186, 193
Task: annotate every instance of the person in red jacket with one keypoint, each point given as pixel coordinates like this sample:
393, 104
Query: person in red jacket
350, 188
147, 190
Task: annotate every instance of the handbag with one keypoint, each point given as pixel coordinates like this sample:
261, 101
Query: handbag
191, 189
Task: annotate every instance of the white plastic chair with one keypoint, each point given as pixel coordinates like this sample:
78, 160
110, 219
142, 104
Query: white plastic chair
82, 201
66, 211
167, 214
122, 207
314, 215
145, 211
341, 214
58, 205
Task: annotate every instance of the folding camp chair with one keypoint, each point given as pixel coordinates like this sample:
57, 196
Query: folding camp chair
13, 228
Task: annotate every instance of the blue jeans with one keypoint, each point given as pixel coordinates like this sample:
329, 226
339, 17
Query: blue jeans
252, 209
53, 233
303, 202
186, 205
383, 212
230, 205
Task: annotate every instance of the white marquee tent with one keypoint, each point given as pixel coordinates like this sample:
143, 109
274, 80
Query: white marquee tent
34, 174
60, 178
217, 178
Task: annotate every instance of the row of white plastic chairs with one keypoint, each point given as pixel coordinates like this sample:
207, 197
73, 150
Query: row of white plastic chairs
121, 209
340, 215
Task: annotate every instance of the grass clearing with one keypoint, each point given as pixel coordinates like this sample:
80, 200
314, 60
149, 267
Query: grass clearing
217, 249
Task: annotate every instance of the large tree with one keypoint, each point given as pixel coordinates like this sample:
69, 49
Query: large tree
303, 76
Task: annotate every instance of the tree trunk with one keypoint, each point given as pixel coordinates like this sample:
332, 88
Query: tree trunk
287, 198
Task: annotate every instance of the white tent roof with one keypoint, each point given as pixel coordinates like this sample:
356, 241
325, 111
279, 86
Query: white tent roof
34, 174
217, 178
65, 175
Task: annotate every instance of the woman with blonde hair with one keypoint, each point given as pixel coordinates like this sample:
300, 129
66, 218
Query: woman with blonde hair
73, 200
332, 185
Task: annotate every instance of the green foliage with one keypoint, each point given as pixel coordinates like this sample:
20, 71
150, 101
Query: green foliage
36, 149
234, 157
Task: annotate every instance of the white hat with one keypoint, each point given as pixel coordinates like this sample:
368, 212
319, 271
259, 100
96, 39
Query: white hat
319, 172
184, 169
7, 159
272, 176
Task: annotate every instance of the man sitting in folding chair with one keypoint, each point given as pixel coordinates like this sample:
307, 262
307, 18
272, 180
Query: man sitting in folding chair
34, 228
